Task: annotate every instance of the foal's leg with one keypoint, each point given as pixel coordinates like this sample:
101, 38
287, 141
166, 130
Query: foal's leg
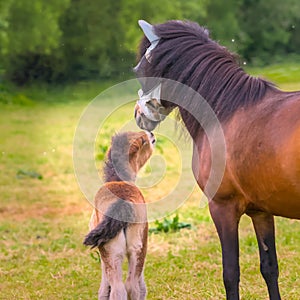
104, 290
143, 289
112, 255
136, 237
226, 218
265, 233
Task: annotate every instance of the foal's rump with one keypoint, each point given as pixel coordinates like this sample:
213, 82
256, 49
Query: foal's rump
117, 217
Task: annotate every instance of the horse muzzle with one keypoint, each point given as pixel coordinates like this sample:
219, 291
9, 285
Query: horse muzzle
142, 121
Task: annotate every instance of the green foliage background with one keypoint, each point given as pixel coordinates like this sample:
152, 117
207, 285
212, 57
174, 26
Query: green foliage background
59, 40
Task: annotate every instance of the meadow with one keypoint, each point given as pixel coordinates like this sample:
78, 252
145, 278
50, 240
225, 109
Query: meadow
44, 215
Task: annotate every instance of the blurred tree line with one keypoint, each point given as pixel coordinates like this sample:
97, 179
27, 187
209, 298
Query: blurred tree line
59, 40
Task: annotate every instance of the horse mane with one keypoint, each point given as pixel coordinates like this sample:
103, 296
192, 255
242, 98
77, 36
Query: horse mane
186, 54
117, 167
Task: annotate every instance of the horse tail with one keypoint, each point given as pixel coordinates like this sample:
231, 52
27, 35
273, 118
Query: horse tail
116, 218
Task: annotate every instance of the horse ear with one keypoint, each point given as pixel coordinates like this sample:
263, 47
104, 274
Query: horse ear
148, 31
206, 31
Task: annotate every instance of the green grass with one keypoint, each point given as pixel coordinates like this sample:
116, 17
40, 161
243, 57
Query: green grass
43, 221
286, 76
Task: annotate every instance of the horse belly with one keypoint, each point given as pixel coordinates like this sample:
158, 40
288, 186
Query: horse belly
287, 199
263, 157
272, 181
285, 205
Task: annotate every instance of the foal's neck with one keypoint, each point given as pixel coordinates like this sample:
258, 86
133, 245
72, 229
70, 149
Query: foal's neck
118, 170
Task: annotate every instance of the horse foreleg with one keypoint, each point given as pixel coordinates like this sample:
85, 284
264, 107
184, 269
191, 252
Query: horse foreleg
226, 217
265, 233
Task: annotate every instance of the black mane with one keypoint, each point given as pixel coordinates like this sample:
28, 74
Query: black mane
186, 54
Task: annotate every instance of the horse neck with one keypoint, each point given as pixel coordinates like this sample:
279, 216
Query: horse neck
196, 131
223, 94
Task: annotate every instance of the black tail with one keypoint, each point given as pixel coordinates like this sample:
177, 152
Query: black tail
117, 217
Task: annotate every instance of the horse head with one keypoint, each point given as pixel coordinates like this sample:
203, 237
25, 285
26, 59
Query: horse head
149, 109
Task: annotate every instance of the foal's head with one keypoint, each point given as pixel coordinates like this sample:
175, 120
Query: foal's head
140, 148
128, 153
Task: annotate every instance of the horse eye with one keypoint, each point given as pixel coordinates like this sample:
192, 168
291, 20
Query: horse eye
150, 103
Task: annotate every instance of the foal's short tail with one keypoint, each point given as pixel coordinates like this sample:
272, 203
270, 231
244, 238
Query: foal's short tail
116, 218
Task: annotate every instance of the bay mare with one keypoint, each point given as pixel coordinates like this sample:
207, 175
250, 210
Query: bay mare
261, 127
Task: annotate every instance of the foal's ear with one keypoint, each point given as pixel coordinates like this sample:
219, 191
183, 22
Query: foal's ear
134, 147
148, 31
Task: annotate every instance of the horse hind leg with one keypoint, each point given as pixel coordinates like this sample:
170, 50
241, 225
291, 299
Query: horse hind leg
264, 228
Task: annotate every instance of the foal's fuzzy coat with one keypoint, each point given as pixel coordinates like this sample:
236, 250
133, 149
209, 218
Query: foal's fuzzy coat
119, 221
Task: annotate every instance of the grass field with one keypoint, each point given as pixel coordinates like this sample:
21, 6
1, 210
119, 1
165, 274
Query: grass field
44, 216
